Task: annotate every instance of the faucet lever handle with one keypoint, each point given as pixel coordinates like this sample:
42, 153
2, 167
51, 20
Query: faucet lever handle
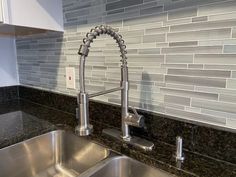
135, 112
134, 119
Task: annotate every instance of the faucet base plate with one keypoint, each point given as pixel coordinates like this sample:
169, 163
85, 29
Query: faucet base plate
134, 141
83, 131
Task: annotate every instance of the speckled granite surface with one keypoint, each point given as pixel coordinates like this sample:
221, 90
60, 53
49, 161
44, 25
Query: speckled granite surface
23, 120
204, 140
17, 125
9, 93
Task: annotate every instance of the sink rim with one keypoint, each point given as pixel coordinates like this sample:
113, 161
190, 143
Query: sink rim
53, 132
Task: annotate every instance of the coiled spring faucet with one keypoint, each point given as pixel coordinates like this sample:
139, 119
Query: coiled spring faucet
128, 119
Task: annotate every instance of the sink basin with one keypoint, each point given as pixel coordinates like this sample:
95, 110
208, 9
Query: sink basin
58, 153
126, 167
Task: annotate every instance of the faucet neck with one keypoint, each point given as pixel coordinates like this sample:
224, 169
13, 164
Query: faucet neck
97, 31
84, 51
81, 74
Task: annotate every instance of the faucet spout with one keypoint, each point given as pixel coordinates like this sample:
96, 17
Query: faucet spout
127, 119
84, 128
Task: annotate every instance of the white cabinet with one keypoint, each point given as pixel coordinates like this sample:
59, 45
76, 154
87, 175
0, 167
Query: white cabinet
1, 12
32, 14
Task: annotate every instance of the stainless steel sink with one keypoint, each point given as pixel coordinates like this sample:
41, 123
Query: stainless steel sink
63, 154
57, 154
123, 166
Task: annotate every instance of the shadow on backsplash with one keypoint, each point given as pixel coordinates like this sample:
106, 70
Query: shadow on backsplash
146, 92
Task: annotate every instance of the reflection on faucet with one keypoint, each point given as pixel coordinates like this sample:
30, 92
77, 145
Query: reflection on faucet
179, 157
128, 119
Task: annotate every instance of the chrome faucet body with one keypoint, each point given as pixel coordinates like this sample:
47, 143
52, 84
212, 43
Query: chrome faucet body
84, 128
179, 149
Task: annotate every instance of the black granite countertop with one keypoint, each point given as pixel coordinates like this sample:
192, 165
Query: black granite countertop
22, 120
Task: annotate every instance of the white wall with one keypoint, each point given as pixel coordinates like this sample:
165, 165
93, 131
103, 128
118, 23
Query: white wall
8, 62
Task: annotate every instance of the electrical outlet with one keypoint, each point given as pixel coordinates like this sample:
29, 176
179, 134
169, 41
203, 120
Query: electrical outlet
70, 77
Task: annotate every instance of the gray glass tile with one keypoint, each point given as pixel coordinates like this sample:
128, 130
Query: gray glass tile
201, 49
154, 38
215, 90
195, 66
174, 65
151, 10
227, 98
141, 6
224, 16
234, 74
170, 5
149, 51
234, 33
146, 58
231, 122
200, 19
230, 49
177, 100
179, 58
187, 93
197, 72
177, 21
182, 13
120, 16
204, 25
218, 113
115, 11
156, 30
217, 8
201, 81
196, 117
215, 58
199, 35
146, 19
132, 33
231, 83
214, 105
188, 43
122, 3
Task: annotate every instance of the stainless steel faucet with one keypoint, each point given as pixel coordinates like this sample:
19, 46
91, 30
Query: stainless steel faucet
128, 119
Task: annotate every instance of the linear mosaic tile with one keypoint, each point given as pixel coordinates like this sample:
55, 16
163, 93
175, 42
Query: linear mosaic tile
204, 25
181, 55
223, 33
189, 12
179, 58
217, 8
198, 81
207, 73
200, 19
213, 105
